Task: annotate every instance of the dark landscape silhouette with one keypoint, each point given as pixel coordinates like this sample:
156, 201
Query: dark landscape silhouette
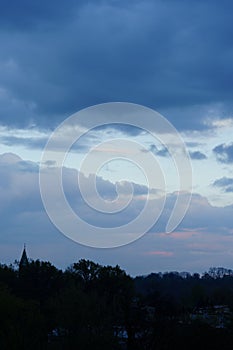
90, 306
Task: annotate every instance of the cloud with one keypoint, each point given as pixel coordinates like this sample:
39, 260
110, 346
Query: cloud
26, 16
224, 153
27, 142
223, 182
36, 138
23, 219
20, 186
197, 155
186, 233
9, 158
226, 183
20, 193
160, 253
193, 144
162, 152
229, 189
59, 57
201, 217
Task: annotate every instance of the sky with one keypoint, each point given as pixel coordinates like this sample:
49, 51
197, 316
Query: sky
175, 57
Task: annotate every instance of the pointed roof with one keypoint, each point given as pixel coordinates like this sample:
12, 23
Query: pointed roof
24, 259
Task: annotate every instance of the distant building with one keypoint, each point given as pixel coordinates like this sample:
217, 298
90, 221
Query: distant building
24, 259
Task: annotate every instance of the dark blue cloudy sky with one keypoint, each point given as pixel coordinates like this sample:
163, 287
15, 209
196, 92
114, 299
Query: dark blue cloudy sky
57, 57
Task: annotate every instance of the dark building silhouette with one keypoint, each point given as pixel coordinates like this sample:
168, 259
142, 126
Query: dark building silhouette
24, 259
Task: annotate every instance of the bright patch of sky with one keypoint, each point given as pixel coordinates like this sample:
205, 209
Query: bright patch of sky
28, 144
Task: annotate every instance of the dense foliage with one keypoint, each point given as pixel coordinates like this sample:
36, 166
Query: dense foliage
89, 306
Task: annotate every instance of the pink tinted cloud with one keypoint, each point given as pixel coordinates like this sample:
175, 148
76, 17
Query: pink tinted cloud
160, 253
185, 233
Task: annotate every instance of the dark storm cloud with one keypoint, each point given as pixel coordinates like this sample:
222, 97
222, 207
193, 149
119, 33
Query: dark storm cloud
224, 153
58, 57
197, 155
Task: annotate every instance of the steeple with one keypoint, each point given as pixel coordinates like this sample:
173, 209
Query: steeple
24, 259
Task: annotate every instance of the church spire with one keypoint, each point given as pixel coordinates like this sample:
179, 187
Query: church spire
24, 259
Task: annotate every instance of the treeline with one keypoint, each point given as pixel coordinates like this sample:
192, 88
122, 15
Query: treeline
187, 292
90, 306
